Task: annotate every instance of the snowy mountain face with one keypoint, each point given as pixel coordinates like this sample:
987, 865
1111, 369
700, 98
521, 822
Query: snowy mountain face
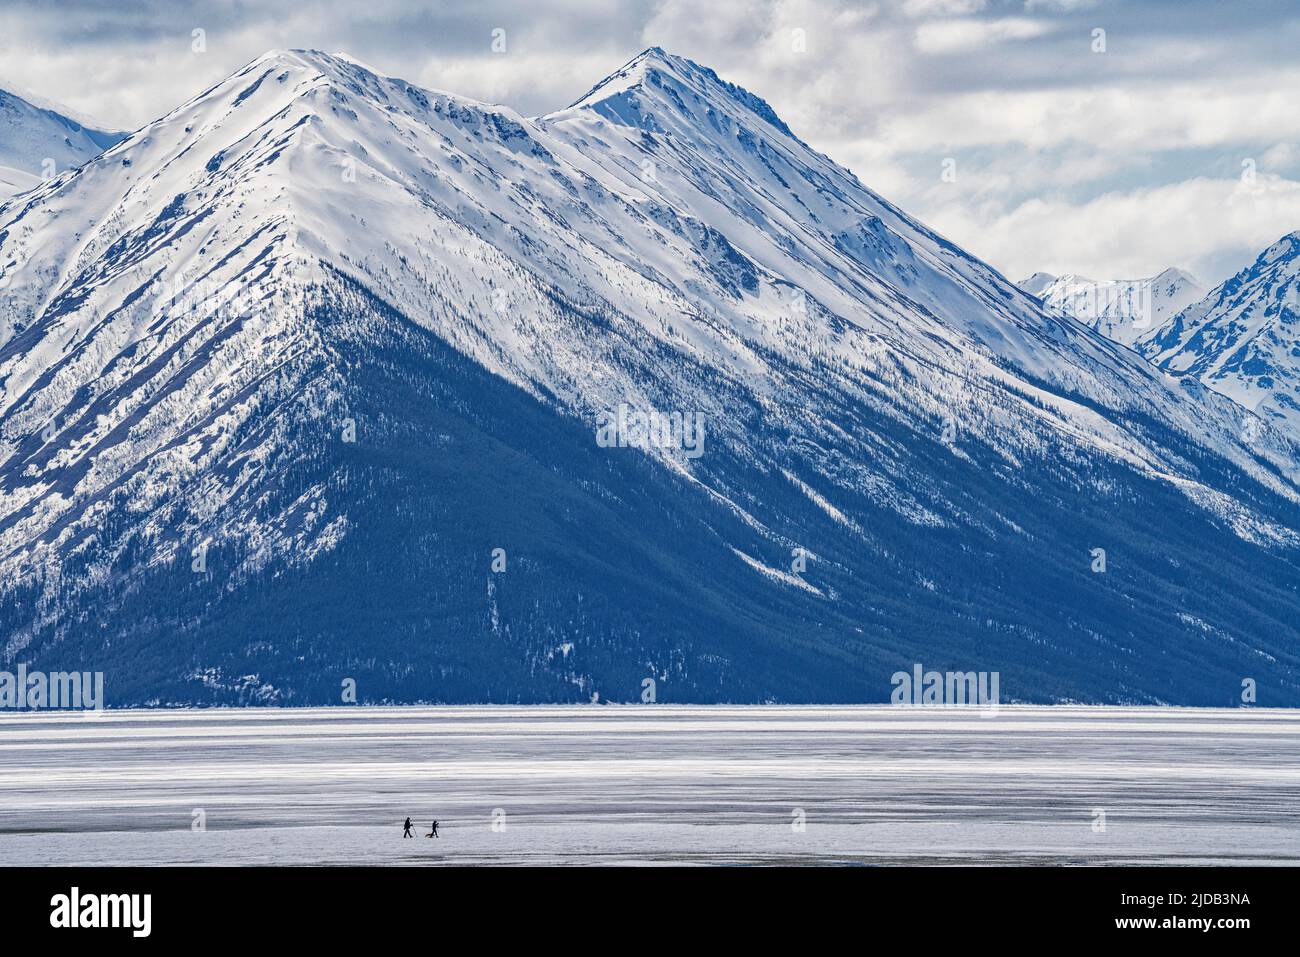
324, 376
38, 142
1123, 310
1243, 339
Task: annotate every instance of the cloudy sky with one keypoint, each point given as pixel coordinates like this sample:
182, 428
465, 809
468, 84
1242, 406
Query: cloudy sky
1106, 137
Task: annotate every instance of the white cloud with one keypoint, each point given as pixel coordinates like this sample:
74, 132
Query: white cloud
1059, 6
888, 88
1210, 226
555, 78
954, 36
1280, 156
1135, 116
942, 8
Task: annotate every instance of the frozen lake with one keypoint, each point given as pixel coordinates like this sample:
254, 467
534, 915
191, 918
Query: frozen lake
651, 784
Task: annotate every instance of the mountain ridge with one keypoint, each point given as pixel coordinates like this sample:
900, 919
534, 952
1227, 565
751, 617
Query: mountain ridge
1238, 338
36, 139
308, 250
1123, 310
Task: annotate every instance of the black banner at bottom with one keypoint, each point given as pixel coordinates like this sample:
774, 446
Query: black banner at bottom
338, 906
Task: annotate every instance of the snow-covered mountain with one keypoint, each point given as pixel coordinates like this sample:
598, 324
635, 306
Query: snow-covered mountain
325, 376
38, 140
1123, 310
1243, 339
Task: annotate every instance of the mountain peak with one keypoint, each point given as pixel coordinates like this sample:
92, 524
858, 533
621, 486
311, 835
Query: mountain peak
333, 66
1174, 274
322, 60
1288, 247
655, 85
1036, 283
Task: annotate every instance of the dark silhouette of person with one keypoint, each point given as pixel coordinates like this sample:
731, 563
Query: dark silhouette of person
434, 830
406, 830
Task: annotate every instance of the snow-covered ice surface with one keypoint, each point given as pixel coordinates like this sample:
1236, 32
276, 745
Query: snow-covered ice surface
655, 784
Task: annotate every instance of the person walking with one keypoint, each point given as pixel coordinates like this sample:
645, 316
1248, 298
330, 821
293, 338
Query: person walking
406, 831
433, 830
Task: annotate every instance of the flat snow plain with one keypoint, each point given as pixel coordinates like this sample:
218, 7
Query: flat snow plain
652, 784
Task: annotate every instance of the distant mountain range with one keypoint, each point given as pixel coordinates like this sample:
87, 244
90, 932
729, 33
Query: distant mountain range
1243, 339
324, 377
39, 141
1124, 310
